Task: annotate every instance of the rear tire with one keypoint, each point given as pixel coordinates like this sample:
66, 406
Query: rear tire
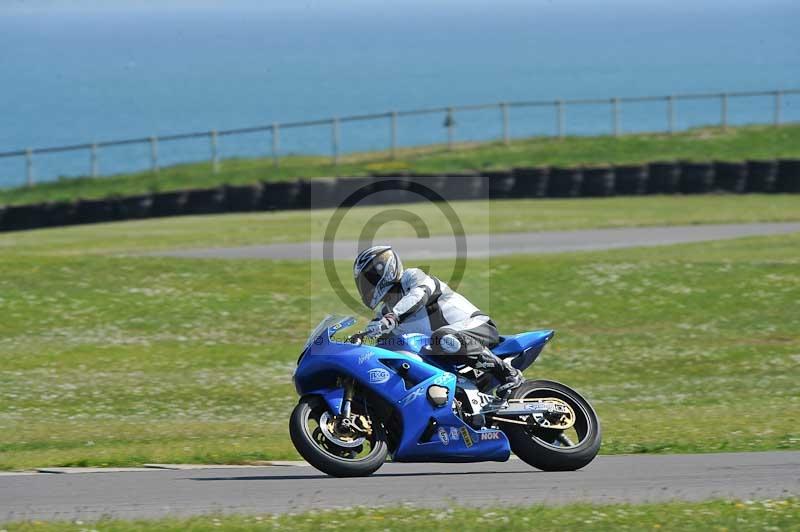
540, 447
312, 407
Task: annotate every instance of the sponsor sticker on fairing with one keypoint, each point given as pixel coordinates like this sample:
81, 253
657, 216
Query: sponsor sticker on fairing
454, 433
443, 436
363, 357
378, 375
465, 436
490, 436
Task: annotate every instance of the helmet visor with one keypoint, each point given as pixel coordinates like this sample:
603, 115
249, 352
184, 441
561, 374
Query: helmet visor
376, 279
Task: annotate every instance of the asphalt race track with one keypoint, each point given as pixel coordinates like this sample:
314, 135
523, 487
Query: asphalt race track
505, 243
631, 478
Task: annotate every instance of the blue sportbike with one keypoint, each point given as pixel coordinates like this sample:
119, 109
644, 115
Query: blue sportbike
361, 402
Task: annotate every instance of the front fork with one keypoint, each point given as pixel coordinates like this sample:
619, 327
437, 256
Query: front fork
349, 390
347, 422
340, 404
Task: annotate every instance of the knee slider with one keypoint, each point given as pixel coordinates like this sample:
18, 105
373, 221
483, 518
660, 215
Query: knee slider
450, 343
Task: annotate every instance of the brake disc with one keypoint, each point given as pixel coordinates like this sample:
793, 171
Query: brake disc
327, 426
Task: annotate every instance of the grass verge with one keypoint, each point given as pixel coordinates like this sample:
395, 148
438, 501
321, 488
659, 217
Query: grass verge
478, 217
747, 142
120, 360
716, 515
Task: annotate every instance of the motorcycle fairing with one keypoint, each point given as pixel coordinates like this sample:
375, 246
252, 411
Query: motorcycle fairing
334, 398
375, 368
515, 344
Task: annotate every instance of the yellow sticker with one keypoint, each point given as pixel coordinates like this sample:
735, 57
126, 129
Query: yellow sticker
465, 436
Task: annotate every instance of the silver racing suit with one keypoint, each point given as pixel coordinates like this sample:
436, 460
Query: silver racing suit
424, 304
427, 305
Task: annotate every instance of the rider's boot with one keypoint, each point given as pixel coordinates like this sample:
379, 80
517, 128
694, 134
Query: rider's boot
502, 370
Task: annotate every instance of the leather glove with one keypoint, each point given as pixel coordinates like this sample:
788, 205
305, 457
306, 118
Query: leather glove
382, 326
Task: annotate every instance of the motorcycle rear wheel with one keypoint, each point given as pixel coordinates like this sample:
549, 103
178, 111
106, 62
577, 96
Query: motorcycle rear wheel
548, 449
324, 454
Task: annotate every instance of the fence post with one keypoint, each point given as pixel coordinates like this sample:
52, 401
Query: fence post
154, 155
560, 118
615, 115
93, 157
671, 114
450, 122
777, 116
29, 166
335, 140
275, 144
724, 110
214, 153
506, 132
393, 132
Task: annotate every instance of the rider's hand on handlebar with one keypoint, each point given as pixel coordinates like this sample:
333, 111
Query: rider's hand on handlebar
382, 326
357, 338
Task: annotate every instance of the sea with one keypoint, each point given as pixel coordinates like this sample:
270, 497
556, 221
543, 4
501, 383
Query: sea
84, 72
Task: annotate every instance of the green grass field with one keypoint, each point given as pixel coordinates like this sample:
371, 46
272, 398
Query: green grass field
720, 516
748, 142
112, 358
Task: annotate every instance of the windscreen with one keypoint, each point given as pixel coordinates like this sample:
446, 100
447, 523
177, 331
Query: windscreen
334, 322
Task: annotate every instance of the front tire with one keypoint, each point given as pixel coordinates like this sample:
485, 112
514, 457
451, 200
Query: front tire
553, 450
324, 454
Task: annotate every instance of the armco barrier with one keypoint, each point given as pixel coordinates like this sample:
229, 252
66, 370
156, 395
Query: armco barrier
464, 186
396, 190
281, 195
501, 183
21, 217
663, 177
61, 213
243, 198
564, 182
169, 203
530, 182
206, 201
346, 186
696, 178
437, 183
730, 177
391, 174
630, 179
598, 181
134, 207
321, 192
788, 177
761, 176
95, 211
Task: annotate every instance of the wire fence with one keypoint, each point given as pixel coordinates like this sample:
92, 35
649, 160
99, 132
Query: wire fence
451, 120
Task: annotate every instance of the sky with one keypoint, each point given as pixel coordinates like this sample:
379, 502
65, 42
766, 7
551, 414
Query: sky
372, 5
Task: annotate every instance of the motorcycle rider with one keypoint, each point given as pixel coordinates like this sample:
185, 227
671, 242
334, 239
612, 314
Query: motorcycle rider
411, 301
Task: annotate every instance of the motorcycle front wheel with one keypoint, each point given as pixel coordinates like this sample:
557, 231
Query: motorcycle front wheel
551, 449
339, 454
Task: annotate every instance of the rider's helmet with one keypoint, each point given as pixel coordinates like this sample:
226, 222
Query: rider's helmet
375, 270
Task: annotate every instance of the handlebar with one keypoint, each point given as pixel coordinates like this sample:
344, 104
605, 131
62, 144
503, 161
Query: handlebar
357, 338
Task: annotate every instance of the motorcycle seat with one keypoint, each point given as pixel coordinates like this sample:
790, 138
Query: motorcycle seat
514, 344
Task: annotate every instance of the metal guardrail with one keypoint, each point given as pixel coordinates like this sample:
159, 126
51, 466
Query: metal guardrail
560, 107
